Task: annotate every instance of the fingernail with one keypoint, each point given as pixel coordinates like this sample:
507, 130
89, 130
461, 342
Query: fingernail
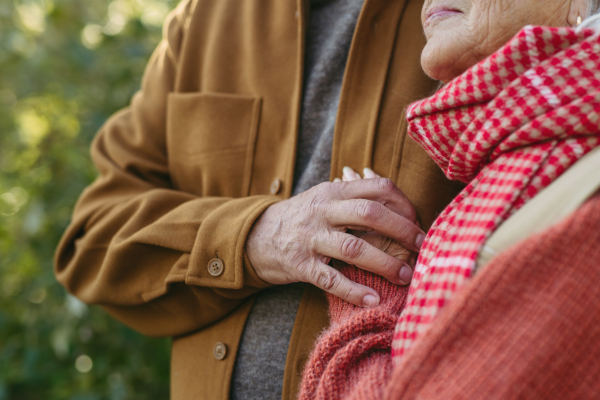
337, 180
350, 174
406, 274
368, 173
370, 301
345, 175
420, 240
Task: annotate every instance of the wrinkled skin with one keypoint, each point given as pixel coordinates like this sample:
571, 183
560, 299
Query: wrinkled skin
383, 243
463, 32
295, 239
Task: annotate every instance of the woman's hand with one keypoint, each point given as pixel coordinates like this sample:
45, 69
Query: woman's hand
383, 243
295, 239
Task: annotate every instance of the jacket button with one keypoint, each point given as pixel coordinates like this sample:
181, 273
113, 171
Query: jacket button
220, 351
215, 267
276, 186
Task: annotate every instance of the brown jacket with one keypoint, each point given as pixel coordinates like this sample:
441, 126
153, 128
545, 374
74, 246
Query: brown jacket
206, 146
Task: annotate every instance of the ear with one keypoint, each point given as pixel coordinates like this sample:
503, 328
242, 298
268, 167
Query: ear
578, 8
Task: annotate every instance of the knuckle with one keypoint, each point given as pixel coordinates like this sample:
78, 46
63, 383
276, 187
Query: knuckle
338, 190
352, 248
294, 253
305, 272
369, 210
316, 204
313, 240
328, 279
349, 292
386, 185
309, 271
325, 190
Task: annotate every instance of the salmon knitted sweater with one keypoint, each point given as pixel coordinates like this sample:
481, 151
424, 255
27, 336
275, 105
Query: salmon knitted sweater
525, 327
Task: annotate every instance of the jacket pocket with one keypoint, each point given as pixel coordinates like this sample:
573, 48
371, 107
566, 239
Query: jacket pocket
210, 142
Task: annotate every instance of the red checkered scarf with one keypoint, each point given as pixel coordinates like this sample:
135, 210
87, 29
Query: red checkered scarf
508, 127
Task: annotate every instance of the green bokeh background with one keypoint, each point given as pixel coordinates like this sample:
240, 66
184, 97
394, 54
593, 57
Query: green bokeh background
65, 67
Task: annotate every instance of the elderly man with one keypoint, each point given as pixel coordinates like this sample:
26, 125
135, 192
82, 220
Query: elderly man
191, 229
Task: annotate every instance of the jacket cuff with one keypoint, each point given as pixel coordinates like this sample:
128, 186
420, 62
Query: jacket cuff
251, 278
222, 236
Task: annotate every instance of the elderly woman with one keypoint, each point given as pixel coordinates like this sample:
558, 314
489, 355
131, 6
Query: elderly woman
521, 106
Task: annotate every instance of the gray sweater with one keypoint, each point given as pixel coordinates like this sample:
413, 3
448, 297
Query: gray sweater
258, 373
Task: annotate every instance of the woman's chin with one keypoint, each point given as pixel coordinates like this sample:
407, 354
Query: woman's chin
437, 65
445, 61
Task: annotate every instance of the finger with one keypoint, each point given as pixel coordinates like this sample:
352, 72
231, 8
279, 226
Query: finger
381, 190
392, 248
332, 281
356, 251
350, 175
372, 216
387, 245
370, 174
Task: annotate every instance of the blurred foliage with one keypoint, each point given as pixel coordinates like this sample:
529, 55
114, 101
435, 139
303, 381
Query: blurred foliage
65, 67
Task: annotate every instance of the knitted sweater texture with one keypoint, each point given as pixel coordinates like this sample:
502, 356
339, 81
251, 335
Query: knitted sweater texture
525, 327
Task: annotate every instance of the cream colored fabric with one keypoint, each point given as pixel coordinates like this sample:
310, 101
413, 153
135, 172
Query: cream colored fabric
559, 199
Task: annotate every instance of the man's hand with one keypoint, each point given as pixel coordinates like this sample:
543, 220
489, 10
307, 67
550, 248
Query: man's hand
383, 243
295, 239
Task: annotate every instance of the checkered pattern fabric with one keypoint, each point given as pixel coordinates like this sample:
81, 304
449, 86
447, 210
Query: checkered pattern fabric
508, 127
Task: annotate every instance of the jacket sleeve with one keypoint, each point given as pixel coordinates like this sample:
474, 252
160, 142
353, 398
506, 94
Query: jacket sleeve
524, 327
139, 247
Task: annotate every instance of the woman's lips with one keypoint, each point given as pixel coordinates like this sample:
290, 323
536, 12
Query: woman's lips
440, 12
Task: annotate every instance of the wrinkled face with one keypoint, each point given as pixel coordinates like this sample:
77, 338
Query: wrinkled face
461, 33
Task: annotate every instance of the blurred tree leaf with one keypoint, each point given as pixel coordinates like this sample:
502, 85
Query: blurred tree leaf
65, 67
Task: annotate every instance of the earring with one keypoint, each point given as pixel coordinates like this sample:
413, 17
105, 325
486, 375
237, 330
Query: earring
578, 20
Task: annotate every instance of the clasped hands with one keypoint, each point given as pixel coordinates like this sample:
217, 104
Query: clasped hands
364, 222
